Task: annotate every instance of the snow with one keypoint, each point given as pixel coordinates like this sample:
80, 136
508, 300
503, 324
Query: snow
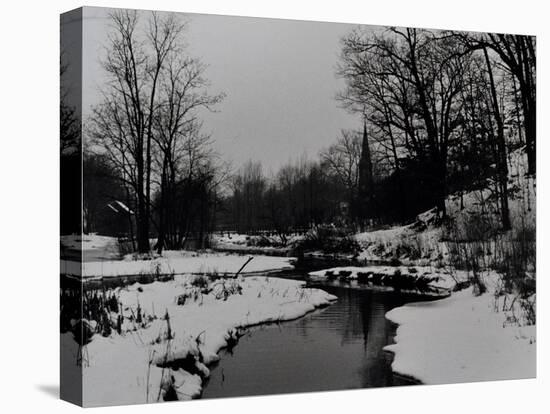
522, 195
90, 247
464, 337
112, 208
128, 368
244, 243
417, 243
232, 238
124, 207
446, 280
460, 339
385, 235
87, 242
177, 263
245, 249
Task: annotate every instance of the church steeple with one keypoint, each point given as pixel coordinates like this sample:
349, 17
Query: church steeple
366, 184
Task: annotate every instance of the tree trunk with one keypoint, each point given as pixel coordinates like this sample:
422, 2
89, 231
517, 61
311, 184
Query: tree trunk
366, 187
531, 138
528, 57
142, 218
162, 206
501, 161
441, 186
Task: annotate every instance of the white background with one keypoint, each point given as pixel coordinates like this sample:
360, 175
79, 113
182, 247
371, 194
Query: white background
29, 206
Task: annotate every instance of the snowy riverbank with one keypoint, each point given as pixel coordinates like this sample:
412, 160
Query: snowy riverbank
436, 278
167, 357
461, 339
177, 263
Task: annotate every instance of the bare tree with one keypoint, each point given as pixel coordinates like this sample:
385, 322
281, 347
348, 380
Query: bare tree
409, 81
342, 160
123, 124
69, 126
518, 55
501, 159
249, 186
182, 148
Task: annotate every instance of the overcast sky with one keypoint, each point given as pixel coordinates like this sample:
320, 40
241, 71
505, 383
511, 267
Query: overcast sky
278, 75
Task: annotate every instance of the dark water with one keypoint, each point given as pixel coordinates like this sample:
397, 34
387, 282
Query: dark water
335, 348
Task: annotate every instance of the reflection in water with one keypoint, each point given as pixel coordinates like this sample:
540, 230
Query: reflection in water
339, 347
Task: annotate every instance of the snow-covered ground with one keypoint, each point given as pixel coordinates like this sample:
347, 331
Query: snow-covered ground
420, 242
417, 243
92, 246
231, 238
177, 263
461, 339
244, 243
441, 278
161, 357
87, 242
246, 249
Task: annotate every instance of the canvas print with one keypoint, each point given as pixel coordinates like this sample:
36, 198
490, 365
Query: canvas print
259, 206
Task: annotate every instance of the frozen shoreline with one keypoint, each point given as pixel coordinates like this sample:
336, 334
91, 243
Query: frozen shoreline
146, 364
460, 339
441, 278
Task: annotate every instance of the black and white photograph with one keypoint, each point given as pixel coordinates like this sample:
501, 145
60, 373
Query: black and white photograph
255, 206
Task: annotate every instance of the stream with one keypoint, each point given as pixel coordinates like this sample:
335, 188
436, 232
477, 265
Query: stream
335, 348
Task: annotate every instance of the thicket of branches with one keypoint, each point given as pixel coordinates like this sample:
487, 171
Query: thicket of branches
444, 108
298, 195
148, 132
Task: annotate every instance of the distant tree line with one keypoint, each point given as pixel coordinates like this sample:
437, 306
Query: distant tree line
299, 194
